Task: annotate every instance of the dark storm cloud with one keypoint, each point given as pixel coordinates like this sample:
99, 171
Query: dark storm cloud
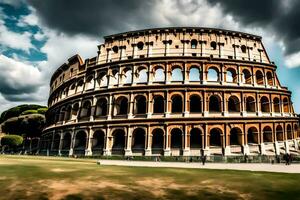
94, 17
281, 16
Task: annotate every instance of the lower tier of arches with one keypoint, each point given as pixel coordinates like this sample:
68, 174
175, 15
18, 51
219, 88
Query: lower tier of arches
174, 139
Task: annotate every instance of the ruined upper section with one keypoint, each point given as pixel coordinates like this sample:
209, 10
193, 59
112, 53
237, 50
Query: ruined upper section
169, 42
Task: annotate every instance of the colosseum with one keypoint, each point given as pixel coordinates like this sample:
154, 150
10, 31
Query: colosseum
172, 92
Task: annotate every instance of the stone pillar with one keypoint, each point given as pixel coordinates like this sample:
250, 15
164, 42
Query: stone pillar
110, 107
287, 147
128, 151
186, 150
167, 150
277, 148
186, 103
148, 144
60, 143
167, 110
71, 152
149, 105
206, 141
107, 148
131, 106
88, 151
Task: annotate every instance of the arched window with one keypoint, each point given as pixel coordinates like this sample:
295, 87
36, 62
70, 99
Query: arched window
177, 74
80, 85
158, 104
86, 109
250, 104
252, 135
176, 138
118, 141
215, 137
279, 133
159, 75
194, 74
246, 77
289, 132
259, 78
177, 104
213, 45
244, 49
127, 79
267, 134
157, 139
66, 141
194, 44
89, 82
142, 76
196, 138
140, 105
231, 76
102, 80
98, 140
140, 45
265, 104
75, 110
68, 113
114, 79
235, 136
214, 103
270, 78
213, 74
286, 105
138, 139
276, 105
101, 107
195, 104
121, 106
233, 104
56, 141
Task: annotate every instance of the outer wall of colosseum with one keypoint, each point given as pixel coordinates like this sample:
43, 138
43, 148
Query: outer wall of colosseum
173, 91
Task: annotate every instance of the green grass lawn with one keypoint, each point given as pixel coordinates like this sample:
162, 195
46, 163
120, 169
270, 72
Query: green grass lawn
26, 177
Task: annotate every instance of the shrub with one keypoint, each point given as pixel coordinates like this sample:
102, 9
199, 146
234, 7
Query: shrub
11, 141
42, 110
27, 112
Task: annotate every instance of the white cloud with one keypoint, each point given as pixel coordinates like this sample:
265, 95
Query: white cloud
293, 60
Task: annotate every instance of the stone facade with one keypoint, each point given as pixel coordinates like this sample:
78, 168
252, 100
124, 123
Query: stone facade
171, 91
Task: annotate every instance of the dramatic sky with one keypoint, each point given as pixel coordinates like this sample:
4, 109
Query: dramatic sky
37, 36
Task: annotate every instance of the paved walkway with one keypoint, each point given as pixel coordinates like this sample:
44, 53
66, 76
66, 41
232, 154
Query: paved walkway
294, 168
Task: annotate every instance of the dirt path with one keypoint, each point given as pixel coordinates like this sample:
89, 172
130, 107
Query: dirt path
294, 168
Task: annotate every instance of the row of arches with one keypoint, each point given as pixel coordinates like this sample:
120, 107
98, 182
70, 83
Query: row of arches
174, 140
120, 106
141, 75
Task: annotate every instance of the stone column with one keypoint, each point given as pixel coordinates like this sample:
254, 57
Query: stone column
131, 106
110, 107
149, 105
186, 150
88, 151
148, 144
128, 151
71, 152
60, 143
167, 150
186, 109
107, 148
167, 110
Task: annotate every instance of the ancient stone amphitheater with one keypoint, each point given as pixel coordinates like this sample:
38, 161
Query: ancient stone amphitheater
171, 91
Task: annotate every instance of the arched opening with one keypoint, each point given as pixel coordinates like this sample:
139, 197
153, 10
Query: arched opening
215, 137
231, 76
233, 104
265, 104
127, 79
157, 140
270, 78
66, 142
176, 138
140, 105
289, 132
267, 134
177, 105
158, 104
142, 76
80, 85
177, 74
213, 45
213, 74
194, 74
62, 114
138, 140
140, 45
56, 141
75, 110
236, 136
296, 131
118, 141
276, 105
159, 75
89, 82
102, 80
194, 44
68, 113
121, 106
195, 104
252, 135
101, 107
195, 138
250, 104
259, 78
86, 110
286, 105
243, 49
98, 142
114, 79
279, 133
80, 142
246, 77
214, 103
